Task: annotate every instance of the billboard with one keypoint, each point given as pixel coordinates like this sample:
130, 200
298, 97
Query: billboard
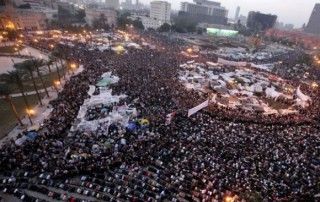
221, 32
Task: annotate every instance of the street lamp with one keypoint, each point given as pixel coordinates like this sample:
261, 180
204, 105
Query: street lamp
56, 85
51, 46
314, 85
73, 66
30, 112
229, 199
189, 50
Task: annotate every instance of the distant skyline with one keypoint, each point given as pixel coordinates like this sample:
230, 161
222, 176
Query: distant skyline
294, 12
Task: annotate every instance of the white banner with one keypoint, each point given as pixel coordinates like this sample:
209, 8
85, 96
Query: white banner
232, 63
198, 108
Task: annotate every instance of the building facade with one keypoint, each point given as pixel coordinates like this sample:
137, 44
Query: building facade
204, 11
32, 3
23, 19
160, 10
313, 26
113, 4
110, 15
260, 22
236, 17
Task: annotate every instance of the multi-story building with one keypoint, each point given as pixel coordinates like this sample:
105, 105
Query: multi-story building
236, 17
313, 26
113, 4
242, 19
283, 26
52, 4
23, 19
110, 15
161, 11
30, 19
260, 22
204, 11
127, 5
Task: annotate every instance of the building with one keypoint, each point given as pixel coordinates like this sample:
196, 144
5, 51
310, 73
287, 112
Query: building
243, 20
283, 26
22, 19
113, 4
150, 23
52, 4
161, 11
236, 17
313, 26
204, 11
32, 3
127, 5
260, 22
25, 19
110, 15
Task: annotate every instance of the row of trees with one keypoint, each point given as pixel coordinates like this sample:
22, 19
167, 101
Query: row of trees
123, 21
180, 28
29, 69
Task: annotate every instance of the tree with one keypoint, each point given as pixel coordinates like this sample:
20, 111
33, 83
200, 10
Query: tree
101, 23
58, 54
183, 25
80, 15
123, 20
164, 28
25, 6
64, 15
5, 92
40, 63
29, 68
138, 24
49, 63
14, 77
199, 31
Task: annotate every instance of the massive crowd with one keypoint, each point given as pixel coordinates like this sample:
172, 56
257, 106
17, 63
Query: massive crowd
212, 156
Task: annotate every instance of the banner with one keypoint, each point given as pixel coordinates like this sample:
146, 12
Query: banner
232, 63
198, 108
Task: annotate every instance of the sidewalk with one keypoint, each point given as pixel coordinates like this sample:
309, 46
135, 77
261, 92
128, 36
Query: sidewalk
42, 112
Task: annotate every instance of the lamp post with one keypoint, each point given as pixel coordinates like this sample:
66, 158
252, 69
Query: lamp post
30, 112
314, 85
189, 50
56, 85
73, 67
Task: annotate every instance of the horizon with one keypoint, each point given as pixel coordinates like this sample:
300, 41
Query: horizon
286, 10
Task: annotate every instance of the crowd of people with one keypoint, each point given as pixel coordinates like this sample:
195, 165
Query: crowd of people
211, 156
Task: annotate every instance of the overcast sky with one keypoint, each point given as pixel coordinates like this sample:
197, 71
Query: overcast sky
296, 12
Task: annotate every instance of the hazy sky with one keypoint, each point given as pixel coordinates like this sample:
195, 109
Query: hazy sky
296, 12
